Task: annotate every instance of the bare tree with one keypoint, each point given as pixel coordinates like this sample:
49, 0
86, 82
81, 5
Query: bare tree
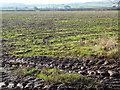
115, 2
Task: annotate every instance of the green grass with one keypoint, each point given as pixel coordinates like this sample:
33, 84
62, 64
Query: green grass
74, 33
51, 76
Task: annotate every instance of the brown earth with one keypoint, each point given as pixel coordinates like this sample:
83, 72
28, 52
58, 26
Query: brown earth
102, 70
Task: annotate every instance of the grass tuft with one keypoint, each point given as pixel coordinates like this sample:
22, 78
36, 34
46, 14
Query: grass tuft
107, 47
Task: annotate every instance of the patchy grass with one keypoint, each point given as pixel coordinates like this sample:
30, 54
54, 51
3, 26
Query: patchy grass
51, 76
59, 34
55, 76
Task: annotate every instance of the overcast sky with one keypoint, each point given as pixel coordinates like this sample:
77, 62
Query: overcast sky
46, 1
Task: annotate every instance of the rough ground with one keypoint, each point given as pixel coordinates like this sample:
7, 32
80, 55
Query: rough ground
100, 70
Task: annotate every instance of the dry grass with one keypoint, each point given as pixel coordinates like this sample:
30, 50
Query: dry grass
107, 47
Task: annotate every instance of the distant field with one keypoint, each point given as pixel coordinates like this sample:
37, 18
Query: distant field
60, 33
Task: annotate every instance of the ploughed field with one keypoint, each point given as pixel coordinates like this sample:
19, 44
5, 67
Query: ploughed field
60, 50
60, 33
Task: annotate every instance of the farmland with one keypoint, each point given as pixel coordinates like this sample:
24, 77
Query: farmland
60, 50
58, 33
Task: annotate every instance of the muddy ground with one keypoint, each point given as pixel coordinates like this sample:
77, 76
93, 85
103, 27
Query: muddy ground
102, 70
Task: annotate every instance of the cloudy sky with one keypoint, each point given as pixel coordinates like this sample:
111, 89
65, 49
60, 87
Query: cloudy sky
46, 1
